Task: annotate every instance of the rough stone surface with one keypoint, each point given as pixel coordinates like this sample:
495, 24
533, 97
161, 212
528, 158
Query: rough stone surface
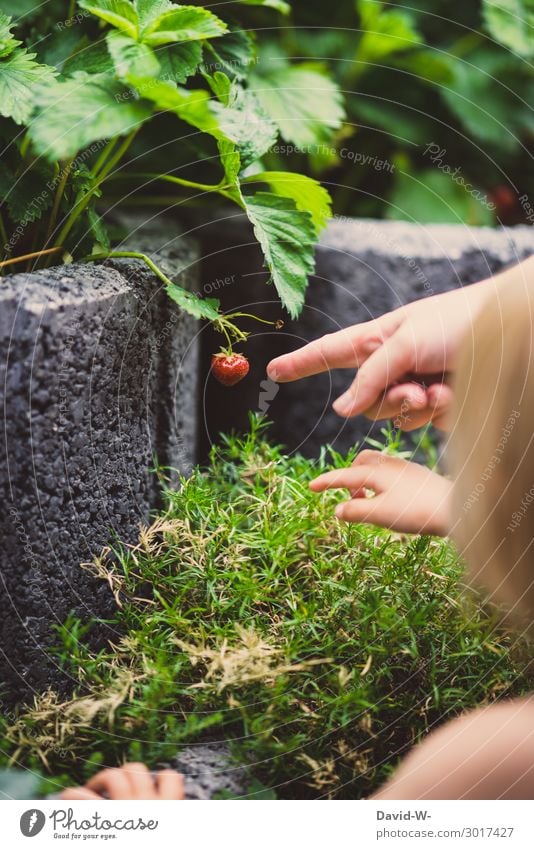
364, 269
210, 771
91, 390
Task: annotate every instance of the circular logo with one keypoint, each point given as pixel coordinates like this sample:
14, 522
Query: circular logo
32, 822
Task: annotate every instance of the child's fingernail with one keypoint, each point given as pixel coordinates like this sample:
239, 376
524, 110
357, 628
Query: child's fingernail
343, 404
340, 510
272, 372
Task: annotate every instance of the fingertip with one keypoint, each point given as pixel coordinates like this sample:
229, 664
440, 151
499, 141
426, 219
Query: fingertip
340, 511
343, 405
273, 370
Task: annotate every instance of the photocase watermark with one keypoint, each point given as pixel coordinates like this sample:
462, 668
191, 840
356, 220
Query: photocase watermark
218, 284
519, 515
436, 154
269, 389
380, 233
82, 826
365, 160
527, 207
73, 21
212, 67
28, 553
492, 463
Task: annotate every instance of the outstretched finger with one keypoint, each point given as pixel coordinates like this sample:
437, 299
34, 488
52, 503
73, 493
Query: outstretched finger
354, 478
348, 348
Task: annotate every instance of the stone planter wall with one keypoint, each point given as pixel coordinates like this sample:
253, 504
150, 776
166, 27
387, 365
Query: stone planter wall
364, 268
98, 376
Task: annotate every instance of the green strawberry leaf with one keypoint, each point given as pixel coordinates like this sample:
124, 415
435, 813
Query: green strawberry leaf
28, 196
92, 58
192, 106
179, 61
308, 194
131, 57
243, 120
74, 113
511, 22
279, 5
231, 162
19, 74
98, 230
119, 13
183, 23
207, 308
305, 104
231, 53
149, 10
287, 237
8, 42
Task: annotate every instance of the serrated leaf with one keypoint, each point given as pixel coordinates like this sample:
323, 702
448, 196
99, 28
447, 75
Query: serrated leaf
232, 54
76, 112
183, 23
245, 122
98, 230
192, 106
8, 42
131, 57
287, 237
305, 104
308, 194
149, 10
179, 61
119, 13
511, 22
220, 85
279, 5
27, 196
207, 308
19, 74
231, 162
92, 58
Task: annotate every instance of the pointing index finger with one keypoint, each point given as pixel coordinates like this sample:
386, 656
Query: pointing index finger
344, 349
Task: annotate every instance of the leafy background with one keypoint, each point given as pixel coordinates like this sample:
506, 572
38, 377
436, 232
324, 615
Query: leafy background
428, 71
267, 109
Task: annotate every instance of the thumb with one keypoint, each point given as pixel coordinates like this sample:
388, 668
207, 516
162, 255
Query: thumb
386, 365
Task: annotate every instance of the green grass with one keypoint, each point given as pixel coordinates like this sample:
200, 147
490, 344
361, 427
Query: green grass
248, 613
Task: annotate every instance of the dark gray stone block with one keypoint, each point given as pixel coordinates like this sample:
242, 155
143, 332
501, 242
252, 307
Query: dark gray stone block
364, 269
98, 376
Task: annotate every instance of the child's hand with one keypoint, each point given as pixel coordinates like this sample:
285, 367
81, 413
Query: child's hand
131, 781
408, 497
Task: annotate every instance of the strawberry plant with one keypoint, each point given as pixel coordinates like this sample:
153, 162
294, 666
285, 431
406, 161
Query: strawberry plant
103, 91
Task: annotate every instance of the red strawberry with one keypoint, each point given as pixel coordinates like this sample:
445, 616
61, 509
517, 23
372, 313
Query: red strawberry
229, 368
